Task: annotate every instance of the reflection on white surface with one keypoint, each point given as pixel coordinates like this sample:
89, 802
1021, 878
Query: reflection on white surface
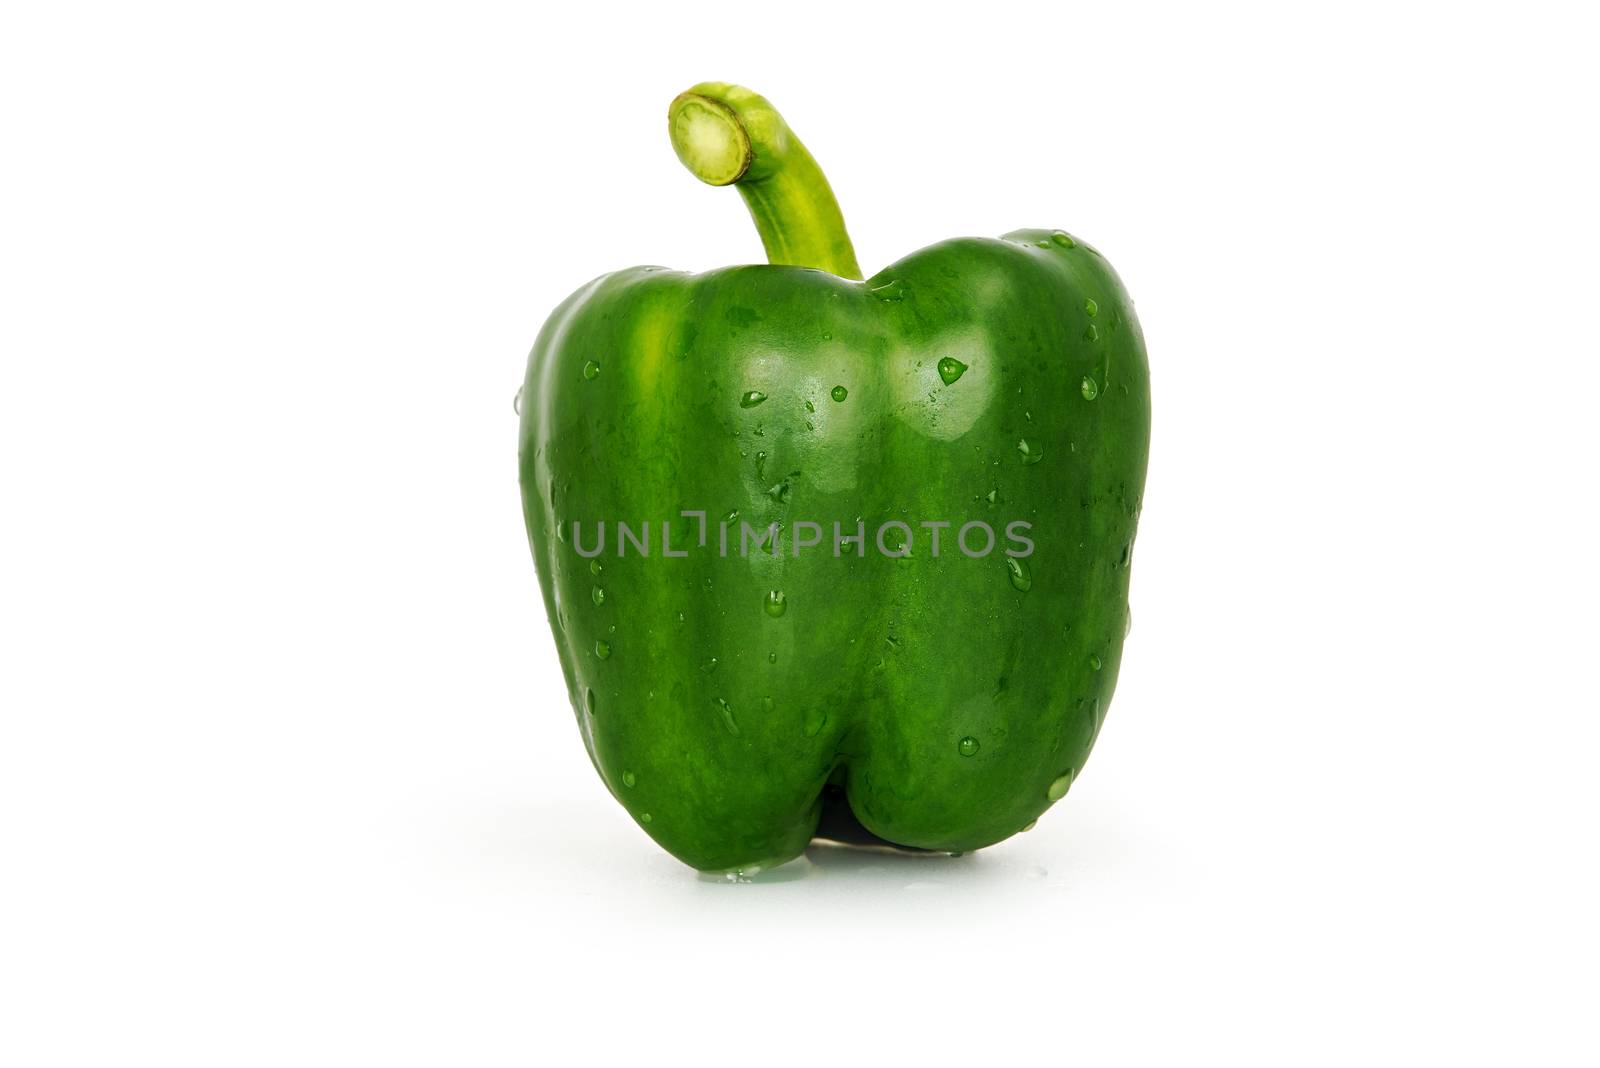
586, 852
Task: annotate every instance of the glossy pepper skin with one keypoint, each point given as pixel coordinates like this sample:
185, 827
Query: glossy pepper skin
728, 699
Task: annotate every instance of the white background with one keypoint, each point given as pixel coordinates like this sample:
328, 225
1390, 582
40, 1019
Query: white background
287, 775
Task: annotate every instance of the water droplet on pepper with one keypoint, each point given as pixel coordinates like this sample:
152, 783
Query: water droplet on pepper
892, 290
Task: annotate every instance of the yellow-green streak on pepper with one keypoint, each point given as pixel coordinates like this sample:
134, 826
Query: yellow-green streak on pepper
731, 700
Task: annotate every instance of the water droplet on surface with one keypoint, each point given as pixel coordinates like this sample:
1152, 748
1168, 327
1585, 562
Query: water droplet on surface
767, 704
628, 779
839, 393
1094, 661
1063, 239
725, 710
968, 746
890, 290
645, 817
1090, 307
590, 369
761, 465
752, 398
1090, 388
1091, 334
772, 657
602, 649
776, 603
1021, 577
780, 494
732, 516
950, 370
516, 402
1030, 451
709, 665
595, 567
588, 700
1127, 623
810, 407
598, 596
1031, 825
991, 497
1058, 789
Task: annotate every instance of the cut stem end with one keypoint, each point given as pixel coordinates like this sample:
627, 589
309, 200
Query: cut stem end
709, 139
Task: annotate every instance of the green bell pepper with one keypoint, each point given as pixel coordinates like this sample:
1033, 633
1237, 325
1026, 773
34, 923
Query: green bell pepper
757, 501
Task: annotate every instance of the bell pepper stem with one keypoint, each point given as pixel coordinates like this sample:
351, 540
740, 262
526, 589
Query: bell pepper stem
728, 135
